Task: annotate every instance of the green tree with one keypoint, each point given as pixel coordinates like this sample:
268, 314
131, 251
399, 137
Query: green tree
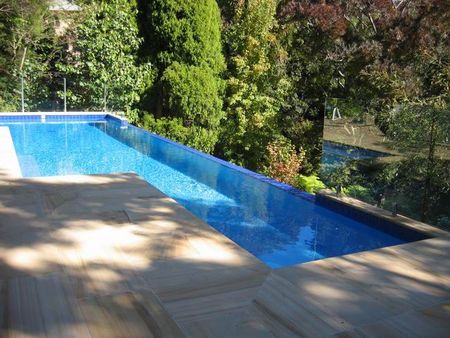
185, 31
312, 34
256, 87
183, 38
105, 59
26, 48
193, 96
420, 130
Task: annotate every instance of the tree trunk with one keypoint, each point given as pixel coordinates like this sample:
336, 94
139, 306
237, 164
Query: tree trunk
429, 172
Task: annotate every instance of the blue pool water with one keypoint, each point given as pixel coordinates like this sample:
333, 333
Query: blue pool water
276, 226
337, 154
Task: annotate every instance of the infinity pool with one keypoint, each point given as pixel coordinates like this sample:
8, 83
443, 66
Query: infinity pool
279, 227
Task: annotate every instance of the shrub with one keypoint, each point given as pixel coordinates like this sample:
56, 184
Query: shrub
256, 87
170, 128
185, 31
339, 177
284, 162
173, 128
360, 192
192, 97
310, 184
192, 92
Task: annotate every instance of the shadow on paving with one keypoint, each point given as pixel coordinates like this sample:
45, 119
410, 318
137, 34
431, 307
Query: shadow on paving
111, 256
108, 255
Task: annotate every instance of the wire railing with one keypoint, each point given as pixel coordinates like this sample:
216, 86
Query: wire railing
53, 97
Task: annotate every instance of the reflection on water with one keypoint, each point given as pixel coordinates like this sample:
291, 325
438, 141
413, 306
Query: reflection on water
336, 154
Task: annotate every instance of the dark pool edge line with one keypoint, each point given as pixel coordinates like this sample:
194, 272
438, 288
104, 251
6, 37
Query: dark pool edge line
381, 219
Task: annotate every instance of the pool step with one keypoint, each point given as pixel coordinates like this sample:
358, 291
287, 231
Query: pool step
9, 164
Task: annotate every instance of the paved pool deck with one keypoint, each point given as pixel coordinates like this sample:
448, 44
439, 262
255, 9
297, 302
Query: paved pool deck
111, 256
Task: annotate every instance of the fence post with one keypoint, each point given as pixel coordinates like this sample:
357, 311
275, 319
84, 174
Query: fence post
104, 98
65, 96
22, 93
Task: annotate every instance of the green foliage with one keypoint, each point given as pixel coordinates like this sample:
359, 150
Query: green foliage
420, 191
360, 192
404, 184
105, 59
391, 61
314, 73
341, 176
171, 128
256, 88
304, 127
185, 31
421, 130
194, 98
425, 185
184, 40
311, 184
194, 94
349, 109
419, 126
26, 35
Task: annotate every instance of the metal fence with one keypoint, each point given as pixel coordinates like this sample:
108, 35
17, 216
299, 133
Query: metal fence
54, 99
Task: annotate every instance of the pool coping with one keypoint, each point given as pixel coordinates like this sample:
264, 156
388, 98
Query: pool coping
326, 196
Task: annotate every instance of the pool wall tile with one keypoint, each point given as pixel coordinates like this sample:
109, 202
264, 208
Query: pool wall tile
51, 118
81, 118
370, 219
123, 122
19, 118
